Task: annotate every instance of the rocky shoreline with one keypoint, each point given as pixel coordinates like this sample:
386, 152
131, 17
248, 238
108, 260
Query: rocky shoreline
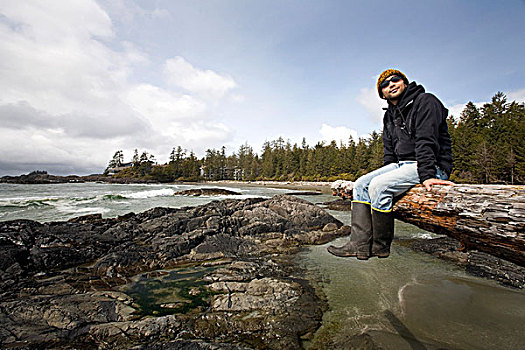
95, 283
216, 276
42, 177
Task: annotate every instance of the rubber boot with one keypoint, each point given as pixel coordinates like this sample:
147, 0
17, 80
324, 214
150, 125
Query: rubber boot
360, 234
382, 232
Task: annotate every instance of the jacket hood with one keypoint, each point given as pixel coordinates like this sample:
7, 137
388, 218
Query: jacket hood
410, 93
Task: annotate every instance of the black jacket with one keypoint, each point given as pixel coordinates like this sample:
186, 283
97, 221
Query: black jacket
416, 129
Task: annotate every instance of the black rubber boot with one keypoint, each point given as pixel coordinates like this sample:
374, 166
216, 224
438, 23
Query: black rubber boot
382, 232
360, 236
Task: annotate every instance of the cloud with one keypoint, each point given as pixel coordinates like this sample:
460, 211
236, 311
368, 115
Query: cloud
337, 133
71, 94
205, 83
369, 99
167, 107
518, 96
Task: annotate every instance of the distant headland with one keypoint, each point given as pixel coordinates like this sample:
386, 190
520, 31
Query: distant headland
42, 177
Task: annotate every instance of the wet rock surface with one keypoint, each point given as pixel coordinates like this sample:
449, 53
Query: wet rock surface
84, 283
473, 261
339, 205
305, 193
206, 192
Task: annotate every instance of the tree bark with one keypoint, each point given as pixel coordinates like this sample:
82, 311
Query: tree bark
488, 218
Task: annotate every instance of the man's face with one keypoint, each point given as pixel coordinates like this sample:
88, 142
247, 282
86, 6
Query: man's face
394, 90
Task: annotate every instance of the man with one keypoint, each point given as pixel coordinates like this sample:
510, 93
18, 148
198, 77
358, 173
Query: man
416, 149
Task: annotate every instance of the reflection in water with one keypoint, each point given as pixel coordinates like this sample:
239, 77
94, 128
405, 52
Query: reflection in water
403, 331
412, 301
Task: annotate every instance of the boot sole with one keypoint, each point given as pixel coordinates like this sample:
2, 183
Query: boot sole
381, 255
348, 255
343, 255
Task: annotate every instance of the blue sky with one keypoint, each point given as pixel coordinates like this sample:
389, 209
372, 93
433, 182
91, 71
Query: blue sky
82, 79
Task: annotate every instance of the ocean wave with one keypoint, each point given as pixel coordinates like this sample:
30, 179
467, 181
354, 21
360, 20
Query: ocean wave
71, 204
113, 197
74, 207
164, 192
89, 210
28, 203
81, 199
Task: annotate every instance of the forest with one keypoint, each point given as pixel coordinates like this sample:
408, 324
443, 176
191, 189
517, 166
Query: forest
487, 144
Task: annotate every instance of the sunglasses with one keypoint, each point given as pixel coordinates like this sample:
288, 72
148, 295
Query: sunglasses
394, 79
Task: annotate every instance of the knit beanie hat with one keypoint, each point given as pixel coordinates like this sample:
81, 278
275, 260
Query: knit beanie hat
385, 75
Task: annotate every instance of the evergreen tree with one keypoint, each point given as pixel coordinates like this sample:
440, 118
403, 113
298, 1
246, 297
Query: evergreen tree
136, 159
487, 145
190, 168
465, 140
267, 161
375, 145
117, 160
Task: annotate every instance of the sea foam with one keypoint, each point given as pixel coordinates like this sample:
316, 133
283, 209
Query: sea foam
164, 192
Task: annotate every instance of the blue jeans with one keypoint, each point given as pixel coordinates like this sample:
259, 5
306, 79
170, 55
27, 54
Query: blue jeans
379, 187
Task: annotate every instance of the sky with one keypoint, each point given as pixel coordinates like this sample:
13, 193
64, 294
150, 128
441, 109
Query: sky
81, 79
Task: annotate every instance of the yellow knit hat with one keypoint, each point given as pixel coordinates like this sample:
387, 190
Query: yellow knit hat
385, 75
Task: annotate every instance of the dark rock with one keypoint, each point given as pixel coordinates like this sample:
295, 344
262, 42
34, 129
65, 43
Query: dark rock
474, 262
305, 193
339, 205
84, 283
489, 266
190, 345
206, 192
87, 218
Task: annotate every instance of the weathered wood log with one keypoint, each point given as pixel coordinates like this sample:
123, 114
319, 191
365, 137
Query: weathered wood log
488, 218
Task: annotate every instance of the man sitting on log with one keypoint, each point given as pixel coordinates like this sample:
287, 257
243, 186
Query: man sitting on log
416, 149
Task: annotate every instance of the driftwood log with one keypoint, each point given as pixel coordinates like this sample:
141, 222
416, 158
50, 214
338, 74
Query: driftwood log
488, 218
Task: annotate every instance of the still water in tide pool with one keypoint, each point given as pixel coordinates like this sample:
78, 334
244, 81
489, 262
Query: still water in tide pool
412, 301
408, 301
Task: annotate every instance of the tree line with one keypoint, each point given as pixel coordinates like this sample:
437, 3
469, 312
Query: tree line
487, 145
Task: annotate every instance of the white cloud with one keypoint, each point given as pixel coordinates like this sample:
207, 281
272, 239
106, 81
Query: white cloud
369, 99
163, 107
69, 99
206, 83
337, 133
518, 96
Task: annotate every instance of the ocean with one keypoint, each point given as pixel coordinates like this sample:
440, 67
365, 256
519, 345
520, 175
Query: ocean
56, 202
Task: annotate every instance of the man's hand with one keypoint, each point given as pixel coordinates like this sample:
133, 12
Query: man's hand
428, 183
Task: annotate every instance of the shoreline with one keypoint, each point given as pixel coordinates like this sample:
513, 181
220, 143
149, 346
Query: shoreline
38, 178
321, 186
245, 277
